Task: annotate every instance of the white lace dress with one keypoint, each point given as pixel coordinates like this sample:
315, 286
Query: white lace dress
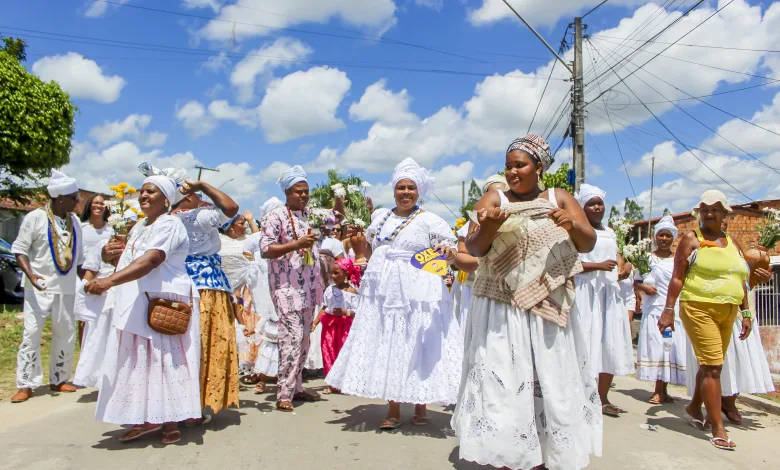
654, 363
599, 317
461, 291
149, 377
405, 344
524, 399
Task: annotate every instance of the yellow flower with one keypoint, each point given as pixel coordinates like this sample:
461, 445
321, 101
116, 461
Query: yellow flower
141, 215
131, 190
114, 188
119, 195
123, 185
460, 222
136, 211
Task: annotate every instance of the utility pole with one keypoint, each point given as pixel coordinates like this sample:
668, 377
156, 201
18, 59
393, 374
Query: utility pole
652, 177
578, 110
201, 168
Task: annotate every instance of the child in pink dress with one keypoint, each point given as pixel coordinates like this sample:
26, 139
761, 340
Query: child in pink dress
340, 300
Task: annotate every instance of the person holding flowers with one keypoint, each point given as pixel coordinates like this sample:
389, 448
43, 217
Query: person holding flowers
602, 330
661, 357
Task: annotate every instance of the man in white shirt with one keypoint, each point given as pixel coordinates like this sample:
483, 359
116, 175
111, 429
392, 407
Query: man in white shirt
48, 250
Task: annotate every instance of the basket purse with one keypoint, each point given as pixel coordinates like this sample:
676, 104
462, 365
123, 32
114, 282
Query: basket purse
168, 317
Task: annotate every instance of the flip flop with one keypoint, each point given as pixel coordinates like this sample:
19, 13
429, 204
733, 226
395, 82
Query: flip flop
419, 420
307, 397
288, 408
655, 399
728, 444
171, 437
699, 424
142, 432
610, 410
389, 424
737, 420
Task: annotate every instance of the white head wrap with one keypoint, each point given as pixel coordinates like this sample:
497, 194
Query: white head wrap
588, 192
410, 170
61, 184
495, 179
270, 205
166, 185
178, 176
291, 176
666, 223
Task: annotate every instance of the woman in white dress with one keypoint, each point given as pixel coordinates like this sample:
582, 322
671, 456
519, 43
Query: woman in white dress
600, 318
150, 380
96, 314
94, 230
405, 345
656, 362
524, 401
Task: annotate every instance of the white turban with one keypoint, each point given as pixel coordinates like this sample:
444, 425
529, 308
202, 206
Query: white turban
178, 176
291, 176
588, 192
166, 185
410, 170
666, 223
270, 205
61, 184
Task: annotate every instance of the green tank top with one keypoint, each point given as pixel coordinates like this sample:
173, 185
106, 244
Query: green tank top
717, 276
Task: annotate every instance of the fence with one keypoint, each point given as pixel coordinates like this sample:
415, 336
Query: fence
768, 302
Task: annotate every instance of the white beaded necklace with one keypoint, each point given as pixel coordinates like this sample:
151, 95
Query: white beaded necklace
391, 237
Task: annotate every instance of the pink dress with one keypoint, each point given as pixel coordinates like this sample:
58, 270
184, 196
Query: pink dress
335, 329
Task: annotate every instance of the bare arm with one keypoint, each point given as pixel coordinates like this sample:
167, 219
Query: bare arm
250, 219
221, 200
684, 250
280, 249
338, 208
481, 235
139, 268
463, 260
24, 264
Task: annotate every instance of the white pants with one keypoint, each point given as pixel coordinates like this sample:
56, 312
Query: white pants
37, 307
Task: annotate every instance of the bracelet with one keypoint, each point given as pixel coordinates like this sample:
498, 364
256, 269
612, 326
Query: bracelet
669, 308
747, 314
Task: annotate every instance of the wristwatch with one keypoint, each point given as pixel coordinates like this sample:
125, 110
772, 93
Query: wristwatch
747, 314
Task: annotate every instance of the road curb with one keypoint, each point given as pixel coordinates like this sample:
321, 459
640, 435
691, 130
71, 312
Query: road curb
759, 403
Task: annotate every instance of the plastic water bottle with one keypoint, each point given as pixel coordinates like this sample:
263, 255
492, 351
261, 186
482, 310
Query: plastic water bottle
667, 336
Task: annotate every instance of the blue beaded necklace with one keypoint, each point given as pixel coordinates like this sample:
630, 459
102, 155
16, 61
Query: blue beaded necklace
391, 237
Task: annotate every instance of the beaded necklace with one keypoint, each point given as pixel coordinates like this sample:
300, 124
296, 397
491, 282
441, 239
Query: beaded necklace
292, 222
62, 252
391, 237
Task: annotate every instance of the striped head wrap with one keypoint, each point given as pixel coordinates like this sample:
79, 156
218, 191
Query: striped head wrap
536, 147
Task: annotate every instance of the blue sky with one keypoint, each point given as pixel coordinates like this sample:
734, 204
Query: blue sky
207, 82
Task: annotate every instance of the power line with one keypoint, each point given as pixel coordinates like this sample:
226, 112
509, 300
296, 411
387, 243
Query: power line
594, 9
541, 98
445, 206
771, 82
204, 52
292, 30
622, 80
745, 49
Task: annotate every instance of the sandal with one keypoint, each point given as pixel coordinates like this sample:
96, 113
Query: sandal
249, 379
732, 414
285, 406
171, 437
699, 424
655, 399
331, 391
419, 420
389, 424
193, 422
610, 410
137, 432
728, 444
307, 397
259, 388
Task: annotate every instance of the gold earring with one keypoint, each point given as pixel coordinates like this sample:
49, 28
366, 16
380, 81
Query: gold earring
167, 204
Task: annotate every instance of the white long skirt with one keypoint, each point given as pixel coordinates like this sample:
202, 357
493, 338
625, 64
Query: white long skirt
151, 380
314, 359
267, 362
745, 368
89, 371
602, 330
407, 353
655, 363
524, 400
461, 299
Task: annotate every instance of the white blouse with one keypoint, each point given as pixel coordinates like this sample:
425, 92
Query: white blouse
92, 236
202, 225
605, 249
333, 298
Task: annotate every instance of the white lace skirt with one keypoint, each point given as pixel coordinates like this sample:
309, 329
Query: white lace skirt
602, 330
407, 352
154, 381
461, 299
653, 362
745, 368
314, 359
89, 371
524, 400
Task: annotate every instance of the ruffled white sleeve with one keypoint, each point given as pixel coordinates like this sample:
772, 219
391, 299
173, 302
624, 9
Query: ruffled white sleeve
93, 259
168, 235
439, 232
327, 298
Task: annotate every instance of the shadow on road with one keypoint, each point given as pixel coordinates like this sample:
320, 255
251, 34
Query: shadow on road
366, 418
458, 464
90, 397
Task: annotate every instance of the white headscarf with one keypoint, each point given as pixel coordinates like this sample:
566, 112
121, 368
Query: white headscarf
177, 175
61, 184
270, 205
495, 179
588, 192
666, 223
410, 170
166, 185
291, 176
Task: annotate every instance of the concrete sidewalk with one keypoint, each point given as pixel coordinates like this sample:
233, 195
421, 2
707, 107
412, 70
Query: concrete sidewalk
58, 432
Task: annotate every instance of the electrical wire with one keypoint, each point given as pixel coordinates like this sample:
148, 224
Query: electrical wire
745, 49
594, 9
541, 98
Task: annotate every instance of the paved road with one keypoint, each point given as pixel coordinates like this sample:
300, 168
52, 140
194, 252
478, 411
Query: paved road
58, 432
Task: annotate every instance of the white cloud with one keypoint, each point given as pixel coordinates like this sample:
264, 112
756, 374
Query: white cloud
80, 77
133, 126
213, 4
372, 15
96, 8
751, 138
214, 91
303, 103
223, 111
217, 62
382, 105
194, 118
536, 11
259, 62
436, 5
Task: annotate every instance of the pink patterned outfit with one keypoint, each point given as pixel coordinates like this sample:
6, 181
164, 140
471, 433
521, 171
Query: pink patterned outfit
296, 290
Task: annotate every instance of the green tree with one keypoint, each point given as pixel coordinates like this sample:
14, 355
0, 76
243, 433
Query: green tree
558, 179
36, 125
614, 213
474, 195
633, 211
354, 203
